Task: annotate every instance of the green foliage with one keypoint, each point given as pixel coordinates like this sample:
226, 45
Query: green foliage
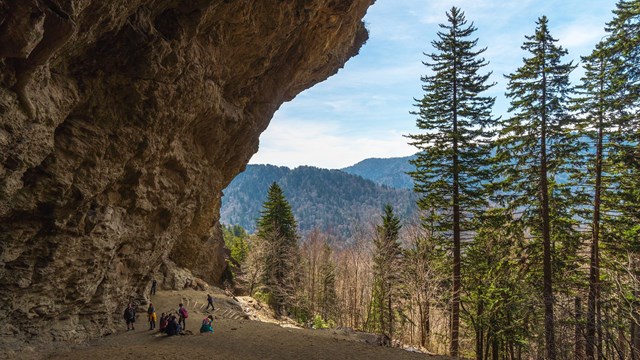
522, 147
264, 297
499, 288
328, 295
622, 48
320, 323
387, 260
457, 123
277, 227
276, 218
235, 239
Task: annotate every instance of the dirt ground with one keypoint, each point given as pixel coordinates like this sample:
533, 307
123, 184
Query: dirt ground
235, 337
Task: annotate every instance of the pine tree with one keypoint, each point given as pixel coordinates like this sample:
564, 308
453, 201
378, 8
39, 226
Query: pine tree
623, 45
278, 228
457, 124
328, 295
386, 273
533, 148
599, 109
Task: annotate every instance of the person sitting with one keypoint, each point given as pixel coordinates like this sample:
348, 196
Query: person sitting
164, 320
207, 325
173, 328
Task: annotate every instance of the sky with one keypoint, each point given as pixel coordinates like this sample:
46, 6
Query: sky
364, 110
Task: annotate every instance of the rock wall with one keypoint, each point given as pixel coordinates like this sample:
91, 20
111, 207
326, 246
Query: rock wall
121, 122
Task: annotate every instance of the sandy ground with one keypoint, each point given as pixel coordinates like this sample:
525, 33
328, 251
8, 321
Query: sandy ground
235, 337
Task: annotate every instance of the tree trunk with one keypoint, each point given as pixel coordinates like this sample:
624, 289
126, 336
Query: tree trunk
390, 319
547, 291
579, 331
495, 349
594, 268
479, 332
455, 301
488, 341
635, 318
512, 351
425, 325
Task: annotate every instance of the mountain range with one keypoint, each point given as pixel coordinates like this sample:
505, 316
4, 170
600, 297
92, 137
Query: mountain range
338, 202
389, 171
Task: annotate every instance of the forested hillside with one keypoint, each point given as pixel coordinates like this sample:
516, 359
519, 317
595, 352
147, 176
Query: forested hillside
328, 200
391, 172
527, 244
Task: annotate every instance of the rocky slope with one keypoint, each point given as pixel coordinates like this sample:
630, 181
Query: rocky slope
120, 123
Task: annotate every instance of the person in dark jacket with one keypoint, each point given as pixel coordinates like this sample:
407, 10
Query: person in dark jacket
154, 285
210, 302
130, 316
173, 328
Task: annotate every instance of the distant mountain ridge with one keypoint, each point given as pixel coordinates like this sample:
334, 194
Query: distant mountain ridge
332, 201
388, 171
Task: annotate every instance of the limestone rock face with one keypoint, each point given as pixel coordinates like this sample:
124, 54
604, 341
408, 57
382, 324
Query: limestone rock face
121, 122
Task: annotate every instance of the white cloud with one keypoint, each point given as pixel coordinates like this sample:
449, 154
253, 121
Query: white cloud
580, 35
291, 142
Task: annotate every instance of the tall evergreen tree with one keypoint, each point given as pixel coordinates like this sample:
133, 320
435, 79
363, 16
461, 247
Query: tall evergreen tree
386, 273
533, 149
624, 46
599, 109
277, 226
328, 295
453, 152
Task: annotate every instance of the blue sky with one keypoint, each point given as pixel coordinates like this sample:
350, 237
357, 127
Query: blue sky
363, 110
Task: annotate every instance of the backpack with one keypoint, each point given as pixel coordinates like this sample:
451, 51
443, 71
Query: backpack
184, 313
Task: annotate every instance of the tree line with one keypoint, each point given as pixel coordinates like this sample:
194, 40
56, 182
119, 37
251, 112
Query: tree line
528, 241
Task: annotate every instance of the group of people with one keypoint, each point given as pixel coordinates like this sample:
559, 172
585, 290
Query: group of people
170, 323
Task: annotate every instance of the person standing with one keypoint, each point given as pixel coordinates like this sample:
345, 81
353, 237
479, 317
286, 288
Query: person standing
210, 300
151, 311
183, 313
130, 317
154, 285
